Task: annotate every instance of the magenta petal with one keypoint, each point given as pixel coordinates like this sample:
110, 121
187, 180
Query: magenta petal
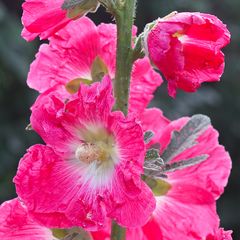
16, 224
67, 57
189, 220
153, 120
144, 82
43, 18
220, 234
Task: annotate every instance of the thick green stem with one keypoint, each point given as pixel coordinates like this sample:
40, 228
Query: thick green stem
118, 233
124, 19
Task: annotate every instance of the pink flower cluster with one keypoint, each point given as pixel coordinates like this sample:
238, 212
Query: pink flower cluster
91, 169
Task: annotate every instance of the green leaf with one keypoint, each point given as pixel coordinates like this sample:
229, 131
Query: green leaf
99, 69
148, 136
78, 8
73, 86
67, 4
76, 12
183, 164
186, 137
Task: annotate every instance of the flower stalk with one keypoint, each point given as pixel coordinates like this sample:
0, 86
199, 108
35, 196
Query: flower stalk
124, 62
124, 20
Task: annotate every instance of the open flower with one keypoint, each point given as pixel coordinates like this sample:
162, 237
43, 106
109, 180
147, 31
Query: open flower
45, 17
16, 224
186, 197
186, 48
71, 58
91, 166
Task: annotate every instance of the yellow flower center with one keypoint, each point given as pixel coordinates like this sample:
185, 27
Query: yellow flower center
98, 145
178, 34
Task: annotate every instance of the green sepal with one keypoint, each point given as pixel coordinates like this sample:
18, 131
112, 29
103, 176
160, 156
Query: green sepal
59, 233
98, 69
78, 8
73, 86
71, 236
158, 186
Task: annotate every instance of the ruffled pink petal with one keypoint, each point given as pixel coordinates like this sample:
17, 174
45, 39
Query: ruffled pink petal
51, 191
153, 120
144, 82
185, 214
15, 223
43, 18
220, 234
108, 43
67, 57
186, 48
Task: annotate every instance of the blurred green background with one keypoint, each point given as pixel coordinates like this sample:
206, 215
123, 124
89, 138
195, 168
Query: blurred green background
220, 101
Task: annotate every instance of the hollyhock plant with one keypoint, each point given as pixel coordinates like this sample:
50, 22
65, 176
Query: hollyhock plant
107, 160
186, 48
70, 59
91, 166
45, 17
16, 224
186, 197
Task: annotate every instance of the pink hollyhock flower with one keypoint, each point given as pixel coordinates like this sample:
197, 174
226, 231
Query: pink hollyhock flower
87, 56
220, 235
91, 166
15, 223
45, 17
186, 48
186, 206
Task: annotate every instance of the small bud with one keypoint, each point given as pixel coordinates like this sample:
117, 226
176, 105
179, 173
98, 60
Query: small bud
186, 49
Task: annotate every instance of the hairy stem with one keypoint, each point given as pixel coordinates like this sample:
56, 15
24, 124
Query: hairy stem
124, 19
118, 233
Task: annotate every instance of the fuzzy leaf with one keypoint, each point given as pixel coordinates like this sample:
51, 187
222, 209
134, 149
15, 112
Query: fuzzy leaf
148, 136
76, 12
78, 8
71, 3
156, 146
184, 164
73, 86
186, 137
